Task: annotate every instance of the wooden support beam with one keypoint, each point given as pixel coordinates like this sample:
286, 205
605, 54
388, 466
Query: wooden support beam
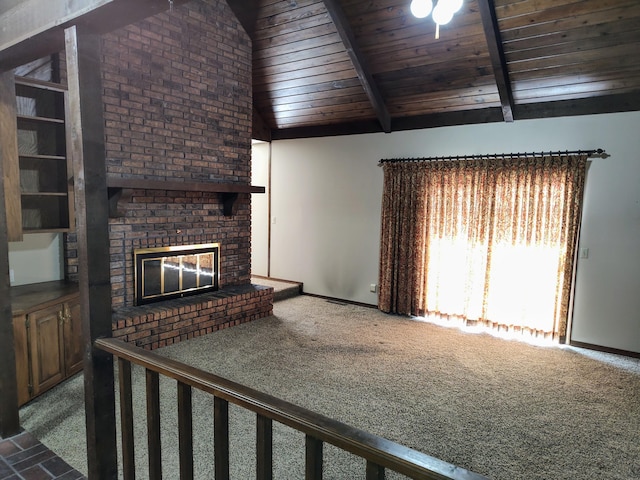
33, 29
9, 154
260, 130
87, 152
496, 52
359, 63
9, 414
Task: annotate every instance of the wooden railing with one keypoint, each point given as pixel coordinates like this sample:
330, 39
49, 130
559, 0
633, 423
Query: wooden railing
380, 454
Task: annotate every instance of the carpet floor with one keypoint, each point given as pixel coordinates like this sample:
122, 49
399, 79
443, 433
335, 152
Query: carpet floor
504, 409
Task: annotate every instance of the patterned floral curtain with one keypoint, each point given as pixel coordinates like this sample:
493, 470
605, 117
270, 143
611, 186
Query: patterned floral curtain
486, 241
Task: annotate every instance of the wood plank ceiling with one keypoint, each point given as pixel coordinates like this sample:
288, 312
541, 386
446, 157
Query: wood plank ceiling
326, 67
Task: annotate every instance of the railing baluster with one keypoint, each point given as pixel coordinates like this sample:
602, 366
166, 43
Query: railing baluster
221, 438
374, 471
153, 425
126, 420
313, 464
185, 431
264, 448
381, 454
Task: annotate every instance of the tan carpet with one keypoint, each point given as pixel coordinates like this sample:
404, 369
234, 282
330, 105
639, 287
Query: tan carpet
503, 409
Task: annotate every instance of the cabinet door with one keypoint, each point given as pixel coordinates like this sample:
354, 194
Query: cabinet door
73, 351
45, 340
22, 358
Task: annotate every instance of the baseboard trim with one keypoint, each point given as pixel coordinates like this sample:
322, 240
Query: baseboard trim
341, 300
293, 282
600, 348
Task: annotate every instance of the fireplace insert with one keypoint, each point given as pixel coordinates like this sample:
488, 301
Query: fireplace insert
162, 273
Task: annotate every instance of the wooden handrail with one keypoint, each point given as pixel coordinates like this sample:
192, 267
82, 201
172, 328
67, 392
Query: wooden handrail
379, 452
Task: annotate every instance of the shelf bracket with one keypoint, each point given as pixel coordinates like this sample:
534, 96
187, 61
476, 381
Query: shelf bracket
228, 199
117, 198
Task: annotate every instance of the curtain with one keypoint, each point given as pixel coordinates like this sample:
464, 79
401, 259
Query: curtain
487, 241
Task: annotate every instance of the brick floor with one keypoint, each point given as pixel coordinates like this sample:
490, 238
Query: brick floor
23, 457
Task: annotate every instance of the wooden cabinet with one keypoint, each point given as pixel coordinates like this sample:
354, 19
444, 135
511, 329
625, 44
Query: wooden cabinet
45, 202
48, 343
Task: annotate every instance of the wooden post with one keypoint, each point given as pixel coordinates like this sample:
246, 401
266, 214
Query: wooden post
92, 224
9, 413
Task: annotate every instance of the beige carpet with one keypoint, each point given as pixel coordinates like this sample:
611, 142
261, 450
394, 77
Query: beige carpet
501, 408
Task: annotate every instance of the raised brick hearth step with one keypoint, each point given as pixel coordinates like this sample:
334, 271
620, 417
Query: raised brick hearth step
282, 289
165, 323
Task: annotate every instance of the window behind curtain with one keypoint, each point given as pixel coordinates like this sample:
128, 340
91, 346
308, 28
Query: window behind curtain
486, 241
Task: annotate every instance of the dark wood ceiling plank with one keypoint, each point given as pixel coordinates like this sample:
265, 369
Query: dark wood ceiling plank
335, 86
293, 27
466, 72
291, 18
340, 95
288, 75
588, 40
318, 100
269, 8
317, 53
423, 45
34, 29
317, 79
266, 50
573, 35
444, 105
359, 63
334, 104
297, 36
591, 12
308, 64
416, 57
581, 62
509, 8
581, 91
514, 31
319, 118
494, 43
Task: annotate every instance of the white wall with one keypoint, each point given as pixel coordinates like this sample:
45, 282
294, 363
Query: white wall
326, 197
38, 258
260, 209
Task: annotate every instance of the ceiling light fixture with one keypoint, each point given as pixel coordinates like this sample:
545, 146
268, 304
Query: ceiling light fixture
442, 13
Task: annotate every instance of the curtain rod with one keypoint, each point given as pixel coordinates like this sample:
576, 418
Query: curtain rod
598, 152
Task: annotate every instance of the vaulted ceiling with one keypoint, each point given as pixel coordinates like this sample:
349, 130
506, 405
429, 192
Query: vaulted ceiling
326, 67
329, 67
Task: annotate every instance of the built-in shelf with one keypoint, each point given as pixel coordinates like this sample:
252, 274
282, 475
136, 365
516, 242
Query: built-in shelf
121, 190
45, 176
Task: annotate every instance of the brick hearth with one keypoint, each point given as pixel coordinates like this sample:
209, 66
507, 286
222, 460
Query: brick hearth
156, 325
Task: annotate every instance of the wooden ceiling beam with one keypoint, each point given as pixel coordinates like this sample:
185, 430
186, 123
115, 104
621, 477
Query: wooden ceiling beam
496, 52
33, 29
359, 63
260, 129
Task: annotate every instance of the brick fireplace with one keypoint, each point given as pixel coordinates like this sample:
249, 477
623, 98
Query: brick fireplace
178, 109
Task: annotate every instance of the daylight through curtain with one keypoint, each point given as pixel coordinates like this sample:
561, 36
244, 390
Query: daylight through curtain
485, 241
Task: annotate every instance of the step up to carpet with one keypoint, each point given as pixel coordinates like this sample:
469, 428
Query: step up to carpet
282, 289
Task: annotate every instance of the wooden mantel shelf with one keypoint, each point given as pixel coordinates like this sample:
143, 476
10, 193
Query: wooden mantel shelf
121, 190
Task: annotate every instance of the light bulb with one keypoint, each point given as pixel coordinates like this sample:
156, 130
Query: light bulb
454, 5
421, 8
442, 14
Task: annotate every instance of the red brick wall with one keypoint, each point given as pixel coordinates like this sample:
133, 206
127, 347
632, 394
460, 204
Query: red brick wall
177, 96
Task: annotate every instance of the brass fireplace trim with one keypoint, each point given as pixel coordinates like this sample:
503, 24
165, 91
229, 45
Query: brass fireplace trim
177, 253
